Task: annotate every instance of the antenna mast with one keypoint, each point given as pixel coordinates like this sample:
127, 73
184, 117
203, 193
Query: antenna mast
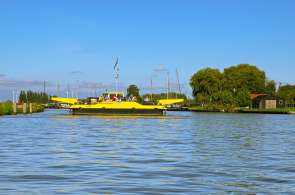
168, 84
58, 89
44, 86
168, 80
177, 76
116, 69
151, 88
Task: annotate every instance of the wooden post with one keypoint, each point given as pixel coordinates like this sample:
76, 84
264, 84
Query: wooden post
24, 108
31, 108
14, 108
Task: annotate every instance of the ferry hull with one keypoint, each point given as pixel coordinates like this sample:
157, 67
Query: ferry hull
103, 111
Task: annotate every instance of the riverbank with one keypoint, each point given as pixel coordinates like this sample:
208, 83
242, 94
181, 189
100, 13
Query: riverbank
268, 111
244, 110
6, 108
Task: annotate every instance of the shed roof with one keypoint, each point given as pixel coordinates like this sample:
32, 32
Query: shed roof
253, 96
263, 96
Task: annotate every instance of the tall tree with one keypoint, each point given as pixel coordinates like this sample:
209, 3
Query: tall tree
34, 97
23, 96
133, 90
234, 86
287, 92
242, 97
206, 85
244, 77
270, 87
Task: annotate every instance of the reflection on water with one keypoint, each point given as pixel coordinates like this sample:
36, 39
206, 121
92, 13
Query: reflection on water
181, 153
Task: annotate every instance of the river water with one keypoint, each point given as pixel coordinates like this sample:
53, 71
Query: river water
182, 153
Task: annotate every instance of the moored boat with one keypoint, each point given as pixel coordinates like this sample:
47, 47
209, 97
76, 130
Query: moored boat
114, 103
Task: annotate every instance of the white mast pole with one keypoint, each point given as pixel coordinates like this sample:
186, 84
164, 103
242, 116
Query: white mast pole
178, 83
13, 97
117, 83
168, 84
116, 68
151, 88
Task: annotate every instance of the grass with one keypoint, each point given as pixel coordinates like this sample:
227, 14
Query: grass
214, 108
291, 109
247, 110
267, 111
6, 108
196, 108
204, 109
273, 109
38, 108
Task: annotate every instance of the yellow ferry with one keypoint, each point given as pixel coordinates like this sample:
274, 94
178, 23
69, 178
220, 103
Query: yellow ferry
114, 103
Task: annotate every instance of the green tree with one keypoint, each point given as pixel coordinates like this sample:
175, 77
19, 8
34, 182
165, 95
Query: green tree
232, 87
23, 96
270, 87
133, 91
6, 108
287, 92
244, 77
226, 100
242, 98
206, 85
34, 97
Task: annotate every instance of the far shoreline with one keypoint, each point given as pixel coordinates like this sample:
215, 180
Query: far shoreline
246, 111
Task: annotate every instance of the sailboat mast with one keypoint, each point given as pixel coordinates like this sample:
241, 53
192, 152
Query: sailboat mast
151, 88
117, 81
168, 84
178, 84
116, 69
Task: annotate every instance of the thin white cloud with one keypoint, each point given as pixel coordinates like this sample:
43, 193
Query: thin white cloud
14, 83
2, 75
11, 83
77, 72
93, 85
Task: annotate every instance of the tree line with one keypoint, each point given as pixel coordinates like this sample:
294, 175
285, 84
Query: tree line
287, 92
233, 86
133, 90
158, 96
33, 97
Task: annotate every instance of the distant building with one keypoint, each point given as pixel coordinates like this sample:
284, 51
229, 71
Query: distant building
265, 101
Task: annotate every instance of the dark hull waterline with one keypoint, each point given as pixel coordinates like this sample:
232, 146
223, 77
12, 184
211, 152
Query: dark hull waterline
100, 111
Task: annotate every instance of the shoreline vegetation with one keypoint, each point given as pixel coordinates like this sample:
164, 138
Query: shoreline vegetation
28, 102
233, 90
244, 110
230, 91
6, 108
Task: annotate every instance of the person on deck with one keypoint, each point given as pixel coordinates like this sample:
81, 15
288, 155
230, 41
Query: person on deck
134, 99
115, 98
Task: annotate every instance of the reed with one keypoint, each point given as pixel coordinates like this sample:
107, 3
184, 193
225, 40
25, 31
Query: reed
38, 108
6, 108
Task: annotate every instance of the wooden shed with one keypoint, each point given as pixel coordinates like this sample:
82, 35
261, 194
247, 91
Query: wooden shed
265, 101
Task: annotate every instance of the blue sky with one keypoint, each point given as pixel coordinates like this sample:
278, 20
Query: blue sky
77, 41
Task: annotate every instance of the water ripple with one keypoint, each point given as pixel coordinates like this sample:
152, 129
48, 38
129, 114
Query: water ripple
182, 153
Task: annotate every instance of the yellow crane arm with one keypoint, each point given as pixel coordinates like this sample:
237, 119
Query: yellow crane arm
65, 100
164, 102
